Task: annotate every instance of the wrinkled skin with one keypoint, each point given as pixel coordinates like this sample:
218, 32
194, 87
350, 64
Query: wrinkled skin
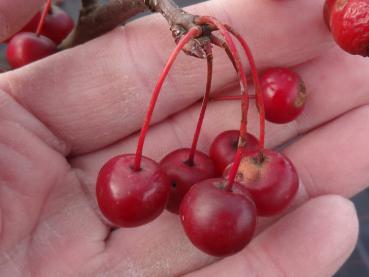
349, 24
90, 109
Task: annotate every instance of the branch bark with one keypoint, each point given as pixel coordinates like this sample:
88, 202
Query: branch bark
180, 22
171, 12
95, 20
88, 3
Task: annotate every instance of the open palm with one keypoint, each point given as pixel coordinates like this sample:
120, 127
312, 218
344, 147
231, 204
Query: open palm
64, 116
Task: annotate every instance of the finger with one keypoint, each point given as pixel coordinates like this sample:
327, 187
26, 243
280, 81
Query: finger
290, 248
46, 222
330, 160
11, 111
76, 95
14, 14
333, 158
29, 169
159, 248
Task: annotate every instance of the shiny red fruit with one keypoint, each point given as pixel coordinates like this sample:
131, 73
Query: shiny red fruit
217, 221
131, 198
284, 94
25, 48
349, 22
224, 147
58, 25
183, 175
271, 179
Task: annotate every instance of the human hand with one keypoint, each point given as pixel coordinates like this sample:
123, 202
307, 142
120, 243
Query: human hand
88, 103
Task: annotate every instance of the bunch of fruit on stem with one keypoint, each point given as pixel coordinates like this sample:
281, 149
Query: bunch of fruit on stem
217, 196
39, 37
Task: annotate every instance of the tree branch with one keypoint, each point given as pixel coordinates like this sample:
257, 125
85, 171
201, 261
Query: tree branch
95, 20
88, 3
171, 12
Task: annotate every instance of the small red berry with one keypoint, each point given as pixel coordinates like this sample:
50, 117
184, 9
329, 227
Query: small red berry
218, 221
271, 179
25, 48
284, 94
130, 198
349, 23
183, 174
224, 148
58, 24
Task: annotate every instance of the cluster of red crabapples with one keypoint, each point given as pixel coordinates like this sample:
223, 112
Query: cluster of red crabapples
217, 196
39, 37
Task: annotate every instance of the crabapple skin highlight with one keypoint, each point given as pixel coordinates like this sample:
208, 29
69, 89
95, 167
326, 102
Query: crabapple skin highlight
25, 48
284, 94
183, 175
224, 147
58, 25
130, 198
217, 221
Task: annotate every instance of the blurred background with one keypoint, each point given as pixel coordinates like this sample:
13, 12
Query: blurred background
358, 264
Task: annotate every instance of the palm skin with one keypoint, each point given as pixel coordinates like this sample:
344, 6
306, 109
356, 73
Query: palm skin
64, 116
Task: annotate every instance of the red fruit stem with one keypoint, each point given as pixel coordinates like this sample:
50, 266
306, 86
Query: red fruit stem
244, 101
205, 101
193, 32
221, 43
45, 11
229, 97
257, 85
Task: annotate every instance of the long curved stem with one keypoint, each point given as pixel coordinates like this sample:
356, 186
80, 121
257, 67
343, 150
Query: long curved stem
43, 17
221, 43
193, 32
205, 101
245, 99
256, 80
